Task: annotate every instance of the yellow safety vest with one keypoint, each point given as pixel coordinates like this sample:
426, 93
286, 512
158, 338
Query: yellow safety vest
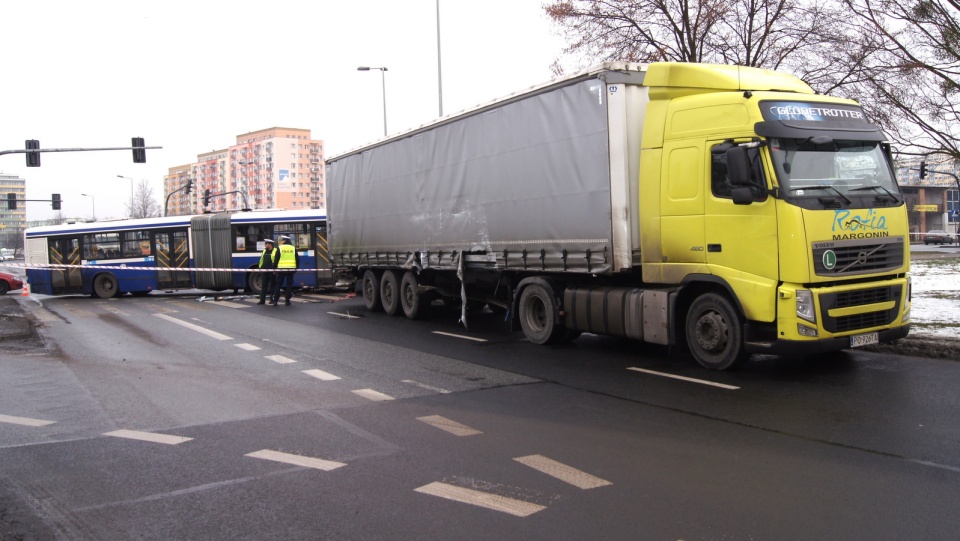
288, 257
267, 257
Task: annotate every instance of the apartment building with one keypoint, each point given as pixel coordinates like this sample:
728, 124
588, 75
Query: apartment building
12, 222
273, 168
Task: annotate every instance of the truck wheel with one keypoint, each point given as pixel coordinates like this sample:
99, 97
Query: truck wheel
410, 299
715, 333
371, 291
537, 308
105, 286
390, 293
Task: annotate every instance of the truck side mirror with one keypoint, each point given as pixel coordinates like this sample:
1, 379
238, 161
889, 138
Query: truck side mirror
738, 166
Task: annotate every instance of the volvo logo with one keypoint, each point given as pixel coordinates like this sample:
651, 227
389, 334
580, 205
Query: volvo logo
862, 258
830, 259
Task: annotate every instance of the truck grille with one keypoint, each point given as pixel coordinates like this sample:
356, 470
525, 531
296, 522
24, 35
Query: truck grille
852, 257
861, 297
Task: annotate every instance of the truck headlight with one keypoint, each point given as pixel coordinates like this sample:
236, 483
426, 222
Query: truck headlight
805, 308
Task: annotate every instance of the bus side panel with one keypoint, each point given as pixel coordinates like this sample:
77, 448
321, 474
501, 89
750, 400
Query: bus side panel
35, 253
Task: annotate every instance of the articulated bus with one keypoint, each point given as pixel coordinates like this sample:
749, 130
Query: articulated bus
209, 251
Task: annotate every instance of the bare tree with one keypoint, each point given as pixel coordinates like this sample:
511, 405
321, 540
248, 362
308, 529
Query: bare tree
909, 70
143, 204
773, 34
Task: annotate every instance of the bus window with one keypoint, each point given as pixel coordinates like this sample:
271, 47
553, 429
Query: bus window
101, 246
136, 243
245, 237
299, 234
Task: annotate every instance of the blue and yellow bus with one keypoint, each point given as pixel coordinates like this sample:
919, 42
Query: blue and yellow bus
208, 251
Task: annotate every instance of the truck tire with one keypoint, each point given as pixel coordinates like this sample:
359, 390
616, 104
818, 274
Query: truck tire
410, 299
370, 285
536, 311
714, 332
105, 286
390, 293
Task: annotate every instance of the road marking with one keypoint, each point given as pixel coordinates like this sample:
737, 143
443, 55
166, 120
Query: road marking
517, 508
345, 316
297, 460
324, 297
683, 378
450, 334
25, 421
192, 327
229, 304
148, 436
573, 476
448, 425
280, 359
427, 387
321, 375
370, 394
247, 347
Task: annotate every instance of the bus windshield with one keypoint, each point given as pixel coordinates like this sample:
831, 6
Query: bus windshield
838, 169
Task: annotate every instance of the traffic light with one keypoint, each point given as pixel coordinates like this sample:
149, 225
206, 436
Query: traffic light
206, 197
55, 201
11, 201
189, 186
923, 170
33, 158
139, 154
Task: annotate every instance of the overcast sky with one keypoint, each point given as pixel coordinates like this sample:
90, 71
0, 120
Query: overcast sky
191, 75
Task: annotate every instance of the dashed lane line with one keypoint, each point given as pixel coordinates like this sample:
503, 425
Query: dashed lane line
24, 421
567, 474
370, 394
321, 375
297, 460
344, 316
280, 359
449, 425
248, 347
684, 378
517, 508
439, 390
460, 336
152, 437
192, 327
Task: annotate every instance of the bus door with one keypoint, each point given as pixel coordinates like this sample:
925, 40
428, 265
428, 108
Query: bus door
171, 252
324, 272
65, 251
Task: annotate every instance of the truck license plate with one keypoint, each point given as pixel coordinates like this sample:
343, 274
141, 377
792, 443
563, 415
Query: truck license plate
864, 339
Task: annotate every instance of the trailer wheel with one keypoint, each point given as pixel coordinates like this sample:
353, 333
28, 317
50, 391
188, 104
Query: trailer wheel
715, 333
371, 291
537, 309
410, 299
105, 286
390, 293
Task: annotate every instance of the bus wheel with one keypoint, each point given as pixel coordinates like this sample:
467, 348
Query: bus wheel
255, 282
410, 299
371, 291
536, 311
715, 333
390, 293
105, 286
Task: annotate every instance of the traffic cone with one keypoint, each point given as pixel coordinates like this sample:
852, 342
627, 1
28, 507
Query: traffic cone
26, 289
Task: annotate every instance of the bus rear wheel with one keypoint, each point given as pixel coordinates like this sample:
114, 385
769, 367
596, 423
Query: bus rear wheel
105, 286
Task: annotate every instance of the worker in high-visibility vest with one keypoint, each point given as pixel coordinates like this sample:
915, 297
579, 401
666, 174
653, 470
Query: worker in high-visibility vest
287, 265
268, 261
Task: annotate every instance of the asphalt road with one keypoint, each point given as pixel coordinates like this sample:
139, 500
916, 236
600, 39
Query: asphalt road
168, 418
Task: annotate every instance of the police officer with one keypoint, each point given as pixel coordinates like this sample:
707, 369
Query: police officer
268, 260
287, 264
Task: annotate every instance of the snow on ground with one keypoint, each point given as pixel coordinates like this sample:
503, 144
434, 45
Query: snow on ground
936, 297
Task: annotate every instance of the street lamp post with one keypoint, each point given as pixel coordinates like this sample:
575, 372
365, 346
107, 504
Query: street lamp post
93, 205
383, 83
131, 192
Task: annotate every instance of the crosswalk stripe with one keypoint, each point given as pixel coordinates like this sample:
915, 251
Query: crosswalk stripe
370, 394
24, 421
297, 460
152, 437
518, 508
321, 375
448, 425
567, 474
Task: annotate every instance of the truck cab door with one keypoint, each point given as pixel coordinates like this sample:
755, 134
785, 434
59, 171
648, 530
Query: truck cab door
682, 239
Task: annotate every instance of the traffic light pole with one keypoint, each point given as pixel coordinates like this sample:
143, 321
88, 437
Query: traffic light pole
36, 150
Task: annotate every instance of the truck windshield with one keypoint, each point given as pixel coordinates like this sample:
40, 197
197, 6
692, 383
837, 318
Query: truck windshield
851, 173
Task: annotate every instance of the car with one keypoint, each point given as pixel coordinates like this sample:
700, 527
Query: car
937, 236
9, 282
